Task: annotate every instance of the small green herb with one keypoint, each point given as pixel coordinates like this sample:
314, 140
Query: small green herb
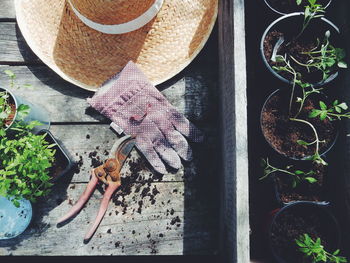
297, 176
12, 77
306, 88
324, 57
25, 160
315, 250
333, 112
312, 11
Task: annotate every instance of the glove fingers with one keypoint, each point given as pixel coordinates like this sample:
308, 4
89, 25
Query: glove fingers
176, 140
183, 125
179, 144
146, 147
168, 154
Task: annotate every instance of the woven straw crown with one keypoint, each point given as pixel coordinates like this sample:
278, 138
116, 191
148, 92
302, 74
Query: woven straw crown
86, 57
112, 12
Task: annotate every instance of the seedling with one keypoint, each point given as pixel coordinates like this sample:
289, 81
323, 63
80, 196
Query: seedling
312, 11
324, 57
315, 250
296, 81
297, 176
316, 157
333, 112
5, 106
25, 160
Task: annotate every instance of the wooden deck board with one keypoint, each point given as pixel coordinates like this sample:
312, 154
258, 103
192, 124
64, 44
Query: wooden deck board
180, 217
7, 9
155, 222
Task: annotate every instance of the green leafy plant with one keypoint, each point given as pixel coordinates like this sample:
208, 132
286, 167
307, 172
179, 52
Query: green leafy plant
11, 76
333, 112
25, 160
324, 57
297, 176
315, 250
312, 11
7, 110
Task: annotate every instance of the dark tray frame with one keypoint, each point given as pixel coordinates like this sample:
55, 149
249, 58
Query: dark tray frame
260, 83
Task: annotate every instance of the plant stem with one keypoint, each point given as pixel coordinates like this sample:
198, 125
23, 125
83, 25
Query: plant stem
317, 141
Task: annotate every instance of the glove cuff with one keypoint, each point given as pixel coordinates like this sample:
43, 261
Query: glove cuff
119, 89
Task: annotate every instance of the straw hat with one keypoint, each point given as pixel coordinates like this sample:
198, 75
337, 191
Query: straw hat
88, 41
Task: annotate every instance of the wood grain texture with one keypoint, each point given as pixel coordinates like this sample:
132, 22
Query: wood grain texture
235, 204
172, 214
89, 145
190, 94
7, 10
13, 46
158, 218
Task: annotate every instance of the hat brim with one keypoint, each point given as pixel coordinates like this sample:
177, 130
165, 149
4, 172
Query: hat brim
87, 58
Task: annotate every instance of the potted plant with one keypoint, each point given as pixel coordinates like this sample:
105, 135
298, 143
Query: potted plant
310, 50
62, 162
284, 7
14, 108
300, 181
25, 160
292, 222
291, 130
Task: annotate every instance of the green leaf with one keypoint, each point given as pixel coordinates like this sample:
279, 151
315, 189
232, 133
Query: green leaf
10, 73
323, 115
336, 252
339, 53
301, 142
343, 105
323, 105
314, 113
342, 64
311, 180
298, 172
298, 2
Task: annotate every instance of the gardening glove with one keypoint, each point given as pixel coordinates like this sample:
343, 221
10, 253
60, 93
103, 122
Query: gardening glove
137, 108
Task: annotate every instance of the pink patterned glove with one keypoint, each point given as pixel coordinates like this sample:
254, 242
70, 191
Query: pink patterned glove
138, 108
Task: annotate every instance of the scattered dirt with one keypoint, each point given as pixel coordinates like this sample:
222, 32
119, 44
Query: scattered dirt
134, 180
283, 134
95, 160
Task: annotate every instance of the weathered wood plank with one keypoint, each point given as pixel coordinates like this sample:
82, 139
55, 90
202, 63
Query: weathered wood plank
235, 199
7, 9
90, 144
13, 47
158, 218
191, 94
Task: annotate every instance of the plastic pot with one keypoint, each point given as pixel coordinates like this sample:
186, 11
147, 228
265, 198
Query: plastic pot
13, 220
322, 151
63, 163
316, 29
35, 113
298, 218
278, 193
283, 10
